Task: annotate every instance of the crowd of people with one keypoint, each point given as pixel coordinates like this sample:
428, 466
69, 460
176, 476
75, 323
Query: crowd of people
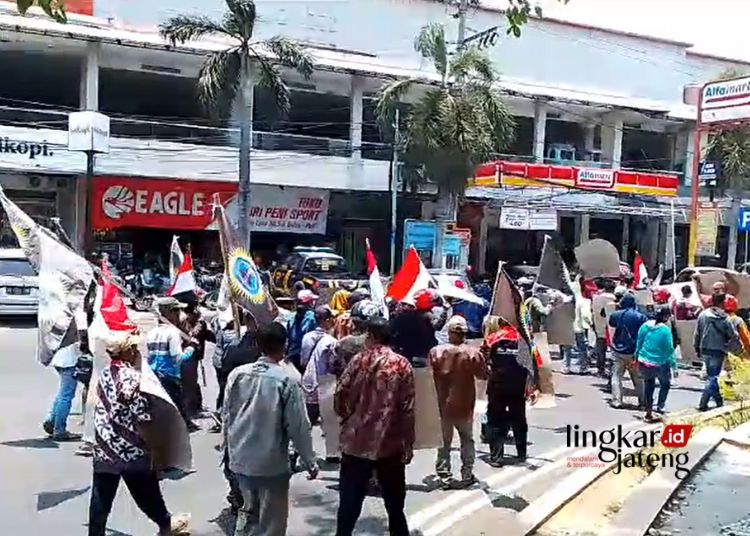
640, 340
272, 379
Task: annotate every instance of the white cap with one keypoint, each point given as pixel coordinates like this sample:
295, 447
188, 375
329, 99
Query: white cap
457, 323
306, 296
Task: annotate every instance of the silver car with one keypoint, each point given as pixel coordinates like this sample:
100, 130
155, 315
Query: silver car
19, 284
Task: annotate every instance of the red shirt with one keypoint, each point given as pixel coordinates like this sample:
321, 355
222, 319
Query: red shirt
375, 400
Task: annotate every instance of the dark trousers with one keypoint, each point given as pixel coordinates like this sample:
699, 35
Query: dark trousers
648, 376
191, 389
600, 349
144, 488
353, 478
221, 379
507, 411
173, 387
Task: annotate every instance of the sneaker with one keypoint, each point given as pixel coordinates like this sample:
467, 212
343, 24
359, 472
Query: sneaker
467, 481
48, 427
66, 436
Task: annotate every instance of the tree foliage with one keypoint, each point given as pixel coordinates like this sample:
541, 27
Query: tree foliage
517, 12
454, 126
220, 76
731, 145
53, 8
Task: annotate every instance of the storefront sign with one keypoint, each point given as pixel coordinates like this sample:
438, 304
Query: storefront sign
708, 225
744, 219
728, 100
603, 179
420, 234
523, 219
514, 218
186, 205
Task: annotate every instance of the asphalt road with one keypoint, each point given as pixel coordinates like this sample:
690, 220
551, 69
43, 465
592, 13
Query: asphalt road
45, 489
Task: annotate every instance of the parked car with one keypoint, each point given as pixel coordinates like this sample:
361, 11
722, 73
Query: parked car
19, 284
318, 269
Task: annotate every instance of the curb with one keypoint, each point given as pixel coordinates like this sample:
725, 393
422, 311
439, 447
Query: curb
545, 507
646, 502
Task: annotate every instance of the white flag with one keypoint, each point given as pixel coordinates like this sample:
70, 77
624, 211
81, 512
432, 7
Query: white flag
64, 280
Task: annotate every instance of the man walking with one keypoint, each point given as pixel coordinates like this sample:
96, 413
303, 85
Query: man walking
455, 366
626, 322
166, 355
317, 358
299, 325
375, 400
714, 337
263, 410
602, 300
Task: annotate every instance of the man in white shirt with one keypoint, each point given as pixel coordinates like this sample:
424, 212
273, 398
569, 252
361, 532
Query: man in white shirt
602, 300
64, 362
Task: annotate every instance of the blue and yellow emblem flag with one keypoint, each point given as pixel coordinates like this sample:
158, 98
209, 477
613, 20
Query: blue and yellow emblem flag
246, 287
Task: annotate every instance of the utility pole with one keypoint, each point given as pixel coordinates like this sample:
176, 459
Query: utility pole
394, 191
246, 145
452, 207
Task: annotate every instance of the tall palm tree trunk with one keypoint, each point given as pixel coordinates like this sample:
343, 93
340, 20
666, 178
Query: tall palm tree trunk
246, 140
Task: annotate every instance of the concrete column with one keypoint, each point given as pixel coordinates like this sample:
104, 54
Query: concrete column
89, 92
612, 140
355, 117
625, 238
589, 136
481, 256
89, 100
540, 129
585, 228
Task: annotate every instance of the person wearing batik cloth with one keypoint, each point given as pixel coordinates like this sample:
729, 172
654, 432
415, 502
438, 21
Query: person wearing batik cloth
121, 452
375, 401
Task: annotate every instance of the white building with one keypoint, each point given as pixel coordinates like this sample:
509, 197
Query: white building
579, 93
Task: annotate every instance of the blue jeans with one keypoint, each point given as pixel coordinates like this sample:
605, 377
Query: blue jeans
58, 415
714, 364
665, 382
582, 348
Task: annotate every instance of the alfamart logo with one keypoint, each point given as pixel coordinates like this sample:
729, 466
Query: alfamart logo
118, 201
627, 447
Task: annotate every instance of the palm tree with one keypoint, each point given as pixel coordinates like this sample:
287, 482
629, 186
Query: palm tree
229, 74
731, 146
454, 126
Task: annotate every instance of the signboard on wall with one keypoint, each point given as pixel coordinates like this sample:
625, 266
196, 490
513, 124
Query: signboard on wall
186, 205
707, 229
523, 219
596, 179
728, 100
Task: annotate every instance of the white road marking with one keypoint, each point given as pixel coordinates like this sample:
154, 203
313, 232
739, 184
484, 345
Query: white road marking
476, 499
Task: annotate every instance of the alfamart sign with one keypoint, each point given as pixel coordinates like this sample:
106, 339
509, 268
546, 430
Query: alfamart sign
726, 101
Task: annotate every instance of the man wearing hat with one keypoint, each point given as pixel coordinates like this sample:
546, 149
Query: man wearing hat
166, 353
455, 367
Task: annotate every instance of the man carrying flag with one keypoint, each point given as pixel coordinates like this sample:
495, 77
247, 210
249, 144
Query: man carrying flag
64, 281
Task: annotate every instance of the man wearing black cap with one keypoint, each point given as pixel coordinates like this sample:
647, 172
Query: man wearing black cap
166, 353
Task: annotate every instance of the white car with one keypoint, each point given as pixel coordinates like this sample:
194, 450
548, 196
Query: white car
19, 284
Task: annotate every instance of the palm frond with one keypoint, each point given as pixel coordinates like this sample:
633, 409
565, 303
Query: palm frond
472, 63
290, 54
219, 78
500, 123
430, 43
390, 96
269, 77
183, 28
240, 20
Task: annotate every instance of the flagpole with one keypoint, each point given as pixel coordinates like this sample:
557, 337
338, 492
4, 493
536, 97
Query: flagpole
225, 256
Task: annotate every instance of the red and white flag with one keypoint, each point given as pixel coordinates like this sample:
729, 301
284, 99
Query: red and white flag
640, 274
110, 314
184, 280
377, 291
176, 258
411, 278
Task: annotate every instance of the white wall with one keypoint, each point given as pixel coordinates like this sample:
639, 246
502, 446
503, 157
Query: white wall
548, 53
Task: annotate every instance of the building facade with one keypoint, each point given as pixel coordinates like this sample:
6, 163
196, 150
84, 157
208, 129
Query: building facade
582, 97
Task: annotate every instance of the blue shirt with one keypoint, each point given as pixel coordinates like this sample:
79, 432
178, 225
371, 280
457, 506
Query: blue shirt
165, 354
297, 327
